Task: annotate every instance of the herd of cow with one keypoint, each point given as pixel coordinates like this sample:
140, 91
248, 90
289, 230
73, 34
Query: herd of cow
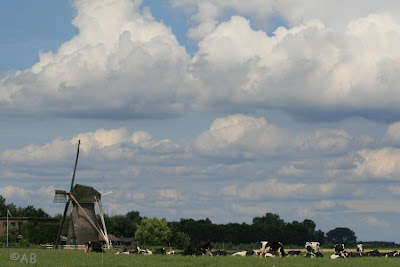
268, 249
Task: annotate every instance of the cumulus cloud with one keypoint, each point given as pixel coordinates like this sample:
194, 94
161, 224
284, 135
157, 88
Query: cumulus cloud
246, 137
242, 136
124, 64
336, 73
104, 71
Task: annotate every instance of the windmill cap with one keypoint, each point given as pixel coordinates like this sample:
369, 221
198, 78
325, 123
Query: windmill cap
85, 194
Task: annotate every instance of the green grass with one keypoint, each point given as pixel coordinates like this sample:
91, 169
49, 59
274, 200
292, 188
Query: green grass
43, 257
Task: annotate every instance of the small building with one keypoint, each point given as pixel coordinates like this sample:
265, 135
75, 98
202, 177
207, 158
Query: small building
18, 221
115, 241
128, 241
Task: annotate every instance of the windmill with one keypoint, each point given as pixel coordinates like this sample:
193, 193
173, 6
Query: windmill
82, 227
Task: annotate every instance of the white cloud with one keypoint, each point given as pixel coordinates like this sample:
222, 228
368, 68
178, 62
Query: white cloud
124, 64
273, 189
392, 135
104, 70
379, 206
375, 222
382, 164
240, 135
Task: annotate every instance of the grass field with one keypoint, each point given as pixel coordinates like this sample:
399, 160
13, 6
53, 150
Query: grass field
48, 257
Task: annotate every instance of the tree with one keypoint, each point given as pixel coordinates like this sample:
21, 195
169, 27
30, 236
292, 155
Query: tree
270, 226
40, 233
31, 211
134, 216
12, 236
341, 235
153, 231
180, 240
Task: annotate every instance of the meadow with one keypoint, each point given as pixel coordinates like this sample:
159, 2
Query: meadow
48, 257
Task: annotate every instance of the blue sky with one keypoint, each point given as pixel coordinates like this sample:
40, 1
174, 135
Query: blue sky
206, 109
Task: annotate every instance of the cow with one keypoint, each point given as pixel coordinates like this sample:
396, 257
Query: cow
393, 253
160, 251
197, 248
140, 251
172, 252
125, 252
360, 251
373, 253
217, 253
340, 252
293, 253
143, 251
313, 250
360, 248
257, 252
94, 247
312, 246
272, 247
242, 253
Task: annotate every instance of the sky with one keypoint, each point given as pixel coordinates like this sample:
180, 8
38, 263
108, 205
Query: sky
224, 110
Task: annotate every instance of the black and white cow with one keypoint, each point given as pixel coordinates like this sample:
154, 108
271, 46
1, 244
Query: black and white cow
360, 251
160, 251
218, 253
313, 249
393, 253
143, 251
373, 253
293, 253
360, 248
197, 248
340, 252
272, 247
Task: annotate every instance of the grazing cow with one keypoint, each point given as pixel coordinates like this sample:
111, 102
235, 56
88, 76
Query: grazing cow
393, 253
293, 253
94, 247
240, 253
143, 251
217, 253
125, 252
318, 254
197, 248
140, 251
272, 247
172, 252
160, 251
373, 253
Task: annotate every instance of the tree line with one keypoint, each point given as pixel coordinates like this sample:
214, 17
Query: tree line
154, 231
